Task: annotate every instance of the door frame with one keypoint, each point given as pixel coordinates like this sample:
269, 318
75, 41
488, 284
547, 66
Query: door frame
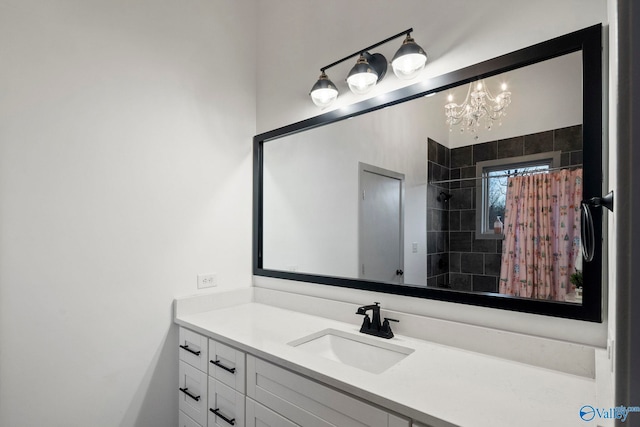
362, 168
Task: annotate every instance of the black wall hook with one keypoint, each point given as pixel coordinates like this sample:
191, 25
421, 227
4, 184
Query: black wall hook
606, 201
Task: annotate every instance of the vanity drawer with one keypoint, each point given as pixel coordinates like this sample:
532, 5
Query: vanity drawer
227, 403
307, 402
192, 392
185, 421
227, 365
193, 349
259, 416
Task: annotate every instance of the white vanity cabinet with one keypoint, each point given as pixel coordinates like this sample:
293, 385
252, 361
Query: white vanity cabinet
194, 349
226, 405
226, 386
192, 392
309, 403
211, 382
261, 416
185, 421
238, 389
227, 365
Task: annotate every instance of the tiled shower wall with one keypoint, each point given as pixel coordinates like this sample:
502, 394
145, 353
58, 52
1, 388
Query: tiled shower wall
455, 258
439, 158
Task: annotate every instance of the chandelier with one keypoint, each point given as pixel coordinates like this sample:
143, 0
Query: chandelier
480, 106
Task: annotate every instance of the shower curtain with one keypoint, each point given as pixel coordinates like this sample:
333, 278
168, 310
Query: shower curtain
542, 234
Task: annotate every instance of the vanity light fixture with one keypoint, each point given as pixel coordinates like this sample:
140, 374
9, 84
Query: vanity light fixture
369, 69
324, 92
409, 60
479, 106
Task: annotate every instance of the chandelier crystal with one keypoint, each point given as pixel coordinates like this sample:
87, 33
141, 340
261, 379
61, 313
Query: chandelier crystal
480, 106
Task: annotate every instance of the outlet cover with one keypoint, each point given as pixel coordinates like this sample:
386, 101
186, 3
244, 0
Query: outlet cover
207, 280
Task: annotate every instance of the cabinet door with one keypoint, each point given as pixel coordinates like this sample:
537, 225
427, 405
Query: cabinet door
193, 392
307, 402
185, 421
193, 349
226, 406
227, 365
259, 416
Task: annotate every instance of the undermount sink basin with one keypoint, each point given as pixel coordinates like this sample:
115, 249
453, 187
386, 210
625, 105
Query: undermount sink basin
359, 351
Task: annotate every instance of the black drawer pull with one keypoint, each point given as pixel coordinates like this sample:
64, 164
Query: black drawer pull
220, 365
186, 347
216, 411
186, 391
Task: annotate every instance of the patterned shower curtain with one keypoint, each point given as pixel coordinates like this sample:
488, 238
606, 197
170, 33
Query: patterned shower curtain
542, 234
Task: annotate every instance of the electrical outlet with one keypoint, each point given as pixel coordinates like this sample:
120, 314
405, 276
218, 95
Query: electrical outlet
207, 280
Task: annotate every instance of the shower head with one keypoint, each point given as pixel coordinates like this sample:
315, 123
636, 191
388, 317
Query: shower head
444, 197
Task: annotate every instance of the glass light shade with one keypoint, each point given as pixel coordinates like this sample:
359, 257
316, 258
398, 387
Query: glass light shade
409, 60
324, 92
362, 77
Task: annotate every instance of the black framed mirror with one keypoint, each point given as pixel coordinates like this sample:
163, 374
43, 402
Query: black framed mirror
310, 223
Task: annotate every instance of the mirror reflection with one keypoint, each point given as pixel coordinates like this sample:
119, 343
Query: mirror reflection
403, 195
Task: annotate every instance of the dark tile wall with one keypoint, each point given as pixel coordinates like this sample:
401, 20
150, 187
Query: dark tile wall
437, 215
455, 259
474, 265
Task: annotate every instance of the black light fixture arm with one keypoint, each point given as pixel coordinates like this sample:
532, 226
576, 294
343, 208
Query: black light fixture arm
373, 46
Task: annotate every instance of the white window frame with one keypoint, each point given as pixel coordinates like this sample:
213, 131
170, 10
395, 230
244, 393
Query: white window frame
483, 229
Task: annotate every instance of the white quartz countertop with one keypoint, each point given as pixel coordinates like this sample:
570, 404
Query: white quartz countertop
436, 384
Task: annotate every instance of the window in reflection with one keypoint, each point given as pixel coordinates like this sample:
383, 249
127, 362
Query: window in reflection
491, 191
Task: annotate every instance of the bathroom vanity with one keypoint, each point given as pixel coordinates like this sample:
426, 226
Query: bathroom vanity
247, 363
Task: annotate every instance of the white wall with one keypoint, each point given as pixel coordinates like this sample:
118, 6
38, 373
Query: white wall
311, 189
299, 37
125, 170
544, 96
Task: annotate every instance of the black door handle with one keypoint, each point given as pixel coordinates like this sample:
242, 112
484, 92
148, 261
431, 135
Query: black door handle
186, 347
216, 411
186, 391
220, 365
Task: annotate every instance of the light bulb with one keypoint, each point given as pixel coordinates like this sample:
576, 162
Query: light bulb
409, 60
362, 83
362, 77
323, 92
408, 66
324, 97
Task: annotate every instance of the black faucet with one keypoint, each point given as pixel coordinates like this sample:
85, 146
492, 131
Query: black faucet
372, 326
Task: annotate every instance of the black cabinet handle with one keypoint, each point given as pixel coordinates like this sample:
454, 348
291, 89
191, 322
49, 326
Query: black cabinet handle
186, 391
220, 365
186, 347
216, 411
